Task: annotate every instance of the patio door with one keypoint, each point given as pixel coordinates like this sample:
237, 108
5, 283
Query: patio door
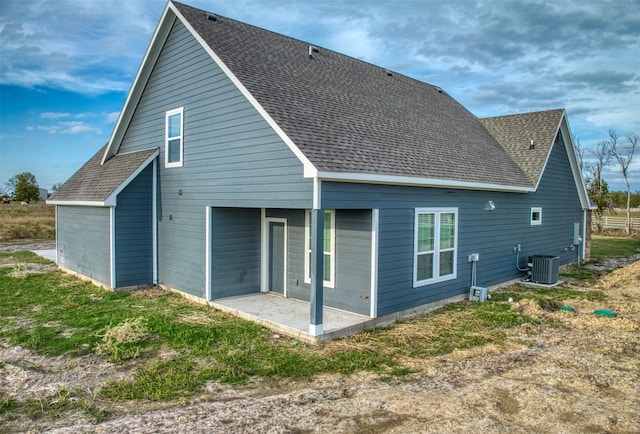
277, 255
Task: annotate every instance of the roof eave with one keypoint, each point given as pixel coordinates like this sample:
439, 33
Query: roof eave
96, 203
139, 83
570, 148
368, 178
112, 198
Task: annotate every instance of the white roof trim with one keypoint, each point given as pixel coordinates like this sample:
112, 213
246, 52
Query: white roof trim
76, 203
563, 127
139, 83
419, 182
112, 199
309, 169
575, 165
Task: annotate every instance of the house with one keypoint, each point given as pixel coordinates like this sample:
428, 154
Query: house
43, 193
248, 162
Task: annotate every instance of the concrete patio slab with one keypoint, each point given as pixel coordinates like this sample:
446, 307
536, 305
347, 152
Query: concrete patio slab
48, 254
291, 316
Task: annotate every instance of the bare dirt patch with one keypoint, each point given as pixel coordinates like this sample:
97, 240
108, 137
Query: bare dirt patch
574, 372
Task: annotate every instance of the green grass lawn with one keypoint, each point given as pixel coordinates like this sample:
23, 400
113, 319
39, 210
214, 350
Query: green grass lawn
56, 314
614, 247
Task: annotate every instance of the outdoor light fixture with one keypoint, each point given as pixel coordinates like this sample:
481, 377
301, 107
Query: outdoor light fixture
490, 206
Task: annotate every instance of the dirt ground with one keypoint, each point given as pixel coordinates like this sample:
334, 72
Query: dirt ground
582, 376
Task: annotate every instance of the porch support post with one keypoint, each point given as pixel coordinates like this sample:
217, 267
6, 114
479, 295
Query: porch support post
317, 267
317, 261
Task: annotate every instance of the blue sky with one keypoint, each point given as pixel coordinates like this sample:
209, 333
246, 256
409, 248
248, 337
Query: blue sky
66, 65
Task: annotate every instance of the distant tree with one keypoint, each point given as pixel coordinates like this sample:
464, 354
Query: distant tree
597, 187
55, 187
623, 155
25, 187
618, 199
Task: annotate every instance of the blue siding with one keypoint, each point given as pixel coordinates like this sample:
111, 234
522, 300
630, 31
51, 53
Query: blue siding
235, 256
352, 287
84, 242
492, 234
232, 157
134, 238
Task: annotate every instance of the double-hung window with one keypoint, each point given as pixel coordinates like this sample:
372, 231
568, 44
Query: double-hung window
173, 145
436, 245
329, 248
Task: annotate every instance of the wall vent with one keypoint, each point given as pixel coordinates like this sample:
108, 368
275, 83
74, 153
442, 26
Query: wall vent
545, 269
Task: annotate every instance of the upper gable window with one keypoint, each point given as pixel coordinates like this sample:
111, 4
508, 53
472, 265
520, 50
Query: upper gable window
173, 146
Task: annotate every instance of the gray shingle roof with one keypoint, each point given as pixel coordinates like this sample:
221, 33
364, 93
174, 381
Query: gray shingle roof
95, 183
515, 133
349, 116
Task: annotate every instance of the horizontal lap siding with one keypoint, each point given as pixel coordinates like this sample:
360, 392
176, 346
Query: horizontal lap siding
492, 234
235, 256
83, 241
134, 241
232, 157
353, 259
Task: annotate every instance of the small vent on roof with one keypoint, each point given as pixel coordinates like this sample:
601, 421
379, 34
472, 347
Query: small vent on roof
212, 17
312, 50
389, 73
532, 145
438, 89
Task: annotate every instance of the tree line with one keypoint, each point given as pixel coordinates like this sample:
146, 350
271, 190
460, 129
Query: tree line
614, 150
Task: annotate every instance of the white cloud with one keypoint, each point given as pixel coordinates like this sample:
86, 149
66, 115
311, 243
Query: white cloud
54, 115
69, 127
75, 45
112, 117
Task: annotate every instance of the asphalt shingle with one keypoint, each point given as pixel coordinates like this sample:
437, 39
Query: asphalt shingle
94, 182
516, 133
349, 116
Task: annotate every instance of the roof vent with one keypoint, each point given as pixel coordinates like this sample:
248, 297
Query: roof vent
212, 17
389, 73
438, 89
312, 50
532, 145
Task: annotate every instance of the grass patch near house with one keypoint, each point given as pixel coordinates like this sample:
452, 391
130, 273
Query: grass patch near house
614, 247
36, 221
176, 347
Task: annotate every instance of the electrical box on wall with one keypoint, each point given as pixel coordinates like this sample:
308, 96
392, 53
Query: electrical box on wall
474, 257
577, 239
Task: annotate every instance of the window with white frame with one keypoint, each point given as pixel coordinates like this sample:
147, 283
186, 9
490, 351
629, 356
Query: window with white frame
536, 217
436, 245
329, 248
173, 147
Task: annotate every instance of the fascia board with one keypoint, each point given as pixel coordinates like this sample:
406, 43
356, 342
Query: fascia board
310, 170
563, 127
111, 200
418, 182
77, 202
575, 165
139, 83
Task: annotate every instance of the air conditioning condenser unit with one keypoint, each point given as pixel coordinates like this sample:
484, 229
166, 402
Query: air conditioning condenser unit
545, 269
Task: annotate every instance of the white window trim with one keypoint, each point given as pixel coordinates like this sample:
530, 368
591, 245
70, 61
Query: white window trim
436, 248
533, 222
307, 249
169, 113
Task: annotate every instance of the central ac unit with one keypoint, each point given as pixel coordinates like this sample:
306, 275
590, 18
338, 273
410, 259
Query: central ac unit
545, 269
